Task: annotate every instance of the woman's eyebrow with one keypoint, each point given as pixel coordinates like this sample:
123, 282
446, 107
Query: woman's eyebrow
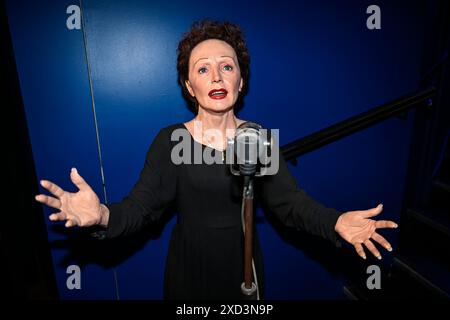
199, 60
232, 58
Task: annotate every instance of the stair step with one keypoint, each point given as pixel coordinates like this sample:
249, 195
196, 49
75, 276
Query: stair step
425, 232
440, 195
400, 283
408, 277
423, 249
435, 219
431, 274
442, 184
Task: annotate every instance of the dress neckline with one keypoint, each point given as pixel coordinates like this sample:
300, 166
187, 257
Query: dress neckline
195, 141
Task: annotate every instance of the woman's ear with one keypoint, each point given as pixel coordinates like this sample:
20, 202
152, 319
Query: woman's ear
189, 87
241, 84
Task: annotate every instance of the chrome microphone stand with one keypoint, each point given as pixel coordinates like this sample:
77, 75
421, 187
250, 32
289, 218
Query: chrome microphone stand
245, 148
248, 287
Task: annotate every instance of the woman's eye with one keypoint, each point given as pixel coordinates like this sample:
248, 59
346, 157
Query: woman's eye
202, 70
228, 67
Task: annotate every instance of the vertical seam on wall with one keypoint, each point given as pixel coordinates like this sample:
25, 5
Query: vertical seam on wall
99, 149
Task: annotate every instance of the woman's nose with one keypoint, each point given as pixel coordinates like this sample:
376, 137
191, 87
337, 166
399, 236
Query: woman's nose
216, 76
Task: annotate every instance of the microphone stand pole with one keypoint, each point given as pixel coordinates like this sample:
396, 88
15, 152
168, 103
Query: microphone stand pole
248, 287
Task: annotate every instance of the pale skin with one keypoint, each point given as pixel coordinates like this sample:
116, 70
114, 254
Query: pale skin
213, 64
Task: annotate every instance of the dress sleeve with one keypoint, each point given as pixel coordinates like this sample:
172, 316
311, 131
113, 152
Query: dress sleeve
152, 194
280, 195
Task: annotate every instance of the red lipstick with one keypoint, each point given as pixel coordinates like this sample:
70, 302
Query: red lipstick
218, 93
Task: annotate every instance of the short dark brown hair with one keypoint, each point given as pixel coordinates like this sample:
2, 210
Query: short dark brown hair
208, 29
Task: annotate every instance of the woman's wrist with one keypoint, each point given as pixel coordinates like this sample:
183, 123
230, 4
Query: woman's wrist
104, 215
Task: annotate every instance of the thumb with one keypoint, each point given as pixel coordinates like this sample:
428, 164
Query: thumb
373, 212
78, 180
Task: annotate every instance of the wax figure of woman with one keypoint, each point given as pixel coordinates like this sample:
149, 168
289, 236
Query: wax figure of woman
205, 257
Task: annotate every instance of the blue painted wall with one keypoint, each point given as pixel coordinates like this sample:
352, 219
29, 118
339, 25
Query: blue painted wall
313, 63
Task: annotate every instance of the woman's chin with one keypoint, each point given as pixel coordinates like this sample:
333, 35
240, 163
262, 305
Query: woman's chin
218, 108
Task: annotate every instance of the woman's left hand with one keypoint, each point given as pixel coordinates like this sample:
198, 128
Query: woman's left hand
357, 228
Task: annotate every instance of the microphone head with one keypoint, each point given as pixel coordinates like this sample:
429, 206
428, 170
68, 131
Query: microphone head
249, 146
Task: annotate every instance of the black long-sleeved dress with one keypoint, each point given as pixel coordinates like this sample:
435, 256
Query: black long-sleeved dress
205, 257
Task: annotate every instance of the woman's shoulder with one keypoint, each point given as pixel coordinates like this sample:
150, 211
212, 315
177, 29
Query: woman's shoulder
170, 128
163, 136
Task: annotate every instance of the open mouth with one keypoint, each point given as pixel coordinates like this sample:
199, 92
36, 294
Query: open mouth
218, 93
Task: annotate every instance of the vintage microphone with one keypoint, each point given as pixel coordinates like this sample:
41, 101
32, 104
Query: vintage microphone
248, 153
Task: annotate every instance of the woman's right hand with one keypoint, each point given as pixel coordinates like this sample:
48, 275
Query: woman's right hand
81, 208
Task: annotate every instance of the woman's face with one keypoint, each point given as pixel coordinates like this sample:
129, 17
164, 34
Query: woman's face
214, 75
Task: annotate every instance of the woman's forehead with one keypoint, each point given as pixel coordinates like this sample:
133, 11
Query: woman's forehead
212, 48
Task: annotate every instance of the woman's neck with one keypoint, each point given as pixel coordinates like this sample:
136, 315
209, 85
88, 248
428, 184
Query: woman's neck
213, 129
217, 121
